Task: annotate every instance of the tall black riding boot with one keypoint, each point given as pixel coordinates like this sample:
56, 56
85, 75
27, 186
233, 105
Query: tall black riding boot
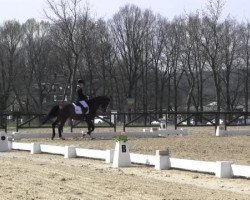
83, 112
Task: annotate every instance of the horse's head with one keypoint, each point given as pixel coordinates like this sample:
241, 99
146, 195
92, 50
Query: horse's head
104, 103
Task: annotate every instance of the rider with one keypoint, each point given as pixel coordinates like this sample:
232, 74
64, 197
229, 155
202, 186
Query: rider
81, 97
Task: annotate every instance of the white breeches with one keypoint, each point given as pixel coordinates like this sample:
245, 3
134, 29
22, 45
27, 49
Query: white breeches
85, 105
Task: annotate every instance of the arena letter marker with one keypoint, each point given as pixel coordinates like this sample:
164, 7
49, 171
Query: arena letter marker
121, 155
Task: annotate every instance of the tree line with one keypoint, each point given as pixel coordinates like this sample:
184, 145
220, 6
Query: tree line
180, 64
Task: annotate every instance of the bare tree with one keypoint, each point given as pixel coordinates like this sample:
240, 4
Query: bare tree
10, 41
187, 60
245, 51
129, 28
174, 47
230, 44
36, 57
68, 31
193, 61
211, 37
162, 51
104, 56
156, 49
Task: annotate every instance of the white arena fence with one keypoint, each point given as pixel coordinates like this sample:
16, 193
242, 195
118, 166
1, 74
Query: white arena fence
220, 132
176, 119
161, 161
16, 136
19, 136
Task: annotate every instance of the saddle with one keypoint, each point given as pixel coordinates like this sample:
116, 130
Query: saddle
78, 109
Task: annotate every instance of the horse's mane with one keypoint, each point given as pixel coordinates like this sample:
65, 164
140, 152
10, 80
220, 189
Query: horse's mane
62, 104
99, 98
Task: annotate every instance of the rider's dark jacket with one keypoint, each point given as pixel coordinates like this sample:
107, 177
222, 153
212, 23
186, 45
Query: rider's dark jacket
81, 96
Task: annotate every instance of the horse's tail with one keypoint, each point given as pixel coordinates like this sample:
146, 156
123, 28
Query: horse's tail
52, 114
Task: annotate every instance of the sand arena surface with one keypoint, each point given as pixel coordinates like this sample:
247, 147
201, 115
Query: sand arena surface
44, 176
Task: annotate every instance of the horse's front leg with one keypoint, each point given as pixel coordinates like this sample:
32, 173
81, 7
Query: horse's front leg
60, 129
91, 127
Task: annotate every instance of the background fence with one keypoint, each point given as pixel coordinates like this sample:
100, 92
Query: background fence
113, 119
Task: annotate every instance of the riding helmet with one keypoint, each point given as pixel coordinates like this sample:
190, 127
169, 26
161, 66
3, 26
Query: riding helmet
81, 81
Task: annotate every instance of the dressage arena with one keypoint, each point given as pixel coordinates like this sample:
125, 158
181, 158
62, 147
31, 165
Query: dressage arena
46, 176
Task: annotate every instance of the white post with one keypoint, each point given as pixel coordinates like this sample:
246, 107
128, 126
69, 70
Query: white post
183, 132
220, 131
121, 155
4, 146
35, 148
163, 125
223, 169
70, 152
162, 160
16, 136
109, 156
153, 129
10, 144
113, 116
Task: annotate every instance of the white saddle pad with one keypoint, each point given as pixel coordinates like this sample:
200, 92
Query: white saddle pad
78, 109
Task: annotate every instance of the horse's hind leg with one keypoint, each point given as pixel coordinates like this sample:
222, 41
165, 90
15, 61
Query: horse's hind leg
60, 129
53, 128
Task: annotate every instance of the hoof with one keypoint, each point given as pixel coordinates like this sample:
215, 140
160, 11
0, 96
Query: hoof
52, 138
92, 138
62, 138
84, 135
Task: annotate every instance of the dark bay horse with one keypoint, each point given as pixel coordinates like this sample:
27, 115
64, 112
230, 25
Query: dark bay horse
67, 111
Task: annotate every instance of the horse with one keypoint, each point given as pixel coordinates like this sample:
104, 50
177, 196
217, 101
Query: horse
66, 110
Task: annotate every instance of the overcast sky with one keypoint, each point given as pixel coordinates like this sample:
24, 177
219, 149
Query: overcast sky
22, 10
